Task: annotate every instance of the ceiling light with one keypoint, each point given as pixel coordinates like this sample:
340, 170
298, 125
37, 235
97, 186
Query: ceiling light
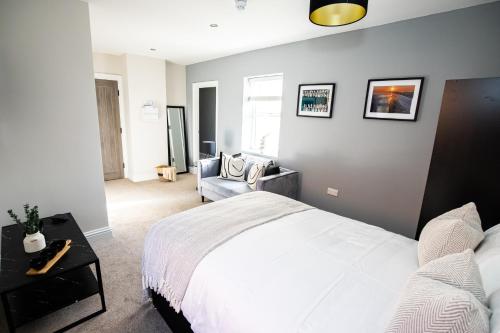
152, 49
214, 25
241, 4
333, 13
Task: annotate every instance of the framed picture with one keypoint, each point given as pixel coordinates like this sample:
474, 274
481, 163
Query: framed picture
393, 99
315, 100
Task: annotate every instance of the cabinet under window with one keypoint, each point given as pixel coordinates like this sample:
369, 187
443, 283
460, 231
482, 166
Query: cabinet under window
262, 114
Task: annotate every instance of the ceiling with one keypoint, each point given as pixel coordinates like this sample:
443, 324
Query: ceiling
180, 30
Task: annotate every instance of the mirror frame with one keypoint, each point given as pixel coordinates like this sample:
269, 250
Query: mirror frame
183, 113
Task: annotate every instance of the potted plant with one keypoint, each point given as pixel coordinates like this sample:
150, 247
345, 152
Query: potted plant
34, 240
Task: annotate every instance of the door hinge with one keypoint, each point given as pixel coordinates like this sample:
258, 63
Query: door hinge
121, 131
123, 165
118, 92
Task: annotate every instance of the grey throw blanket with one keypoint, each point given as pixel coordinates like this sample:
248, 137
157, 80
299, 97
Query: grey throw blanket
174, 246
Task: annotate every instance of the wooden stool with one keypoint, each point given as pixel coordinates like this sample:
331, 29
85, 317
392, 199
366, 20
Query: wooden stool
169, 174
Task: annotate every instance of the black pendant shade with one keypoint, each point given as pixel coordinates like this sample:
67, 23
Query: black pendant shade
332, 13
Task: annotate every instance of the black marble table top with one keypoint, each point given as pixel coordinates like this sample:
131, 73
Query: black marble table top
15, 262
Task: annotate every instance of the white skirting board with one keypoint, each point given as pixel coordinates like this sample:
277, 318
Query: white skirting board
105, 231
193, 170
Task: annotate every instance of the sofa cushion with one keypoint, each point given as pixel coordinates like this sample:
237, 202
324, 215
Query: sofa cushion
252, 159
232, 168
256, 172
226, 188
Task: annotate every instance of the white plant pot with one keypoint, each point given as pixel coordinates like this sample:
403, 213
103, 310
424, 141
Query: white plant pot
34, 242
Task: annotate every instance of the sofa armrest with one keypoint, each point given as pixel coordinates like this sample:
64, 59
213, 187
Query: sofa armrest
285, 183
208, 167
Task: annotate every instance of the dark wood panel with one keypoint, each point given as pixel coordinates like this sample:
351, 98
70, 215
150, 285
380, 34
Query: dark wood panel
110, 129
465, 163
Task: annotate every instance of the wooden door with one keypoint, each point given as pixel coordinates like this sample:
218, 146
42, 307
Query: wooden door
109, 127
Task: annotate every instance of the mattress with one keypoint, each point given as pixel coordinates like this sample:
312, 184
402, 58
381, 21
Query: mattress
312, 271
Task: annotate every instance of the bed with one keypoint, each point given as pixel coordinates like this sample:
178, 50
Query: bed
323, 273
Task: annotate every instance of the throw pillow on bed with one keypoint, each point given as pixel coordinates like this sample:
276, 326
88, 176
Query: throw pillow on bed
232, 168
468, 213
256, 171
452, 232
428, 305
459, 270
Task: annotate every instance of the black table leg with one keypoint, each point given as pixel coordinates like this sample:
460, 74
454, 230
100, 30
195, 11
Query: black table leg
8, 316
103, 302
99, 283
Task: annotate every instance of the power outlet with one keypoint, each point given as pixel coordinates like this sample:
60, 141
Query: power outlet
332, 191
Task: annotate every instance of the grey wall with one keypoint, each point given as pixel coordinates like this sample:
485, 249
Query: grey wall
49, 134
380, 167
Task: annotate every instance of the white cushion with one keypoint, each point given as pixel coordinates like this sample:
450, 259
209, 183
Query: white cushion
488, 260
459, 270
468, 213
432, 306
232, 168
256, 171
452, 232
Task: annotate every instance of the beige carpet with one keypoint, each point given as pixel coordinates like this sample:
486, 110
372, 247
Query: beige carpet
132, 209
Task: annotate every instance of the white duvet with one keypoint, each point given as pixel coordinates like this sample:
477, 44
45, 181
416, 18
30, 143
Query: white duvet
312, 271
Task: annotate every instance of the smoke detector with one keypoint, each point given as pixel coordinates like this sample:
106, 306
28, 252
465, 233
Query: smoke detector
241, 4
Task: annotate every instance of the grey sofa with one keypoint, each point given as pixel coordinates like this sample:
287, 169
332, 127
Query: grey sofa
213, 188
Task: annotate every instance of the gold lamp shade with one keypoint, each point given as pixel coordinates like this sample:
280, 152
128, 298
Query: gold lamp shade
333, 13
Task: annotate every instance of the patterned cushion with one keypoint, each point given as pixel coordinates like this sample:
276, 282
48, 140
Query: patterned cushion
432, 306
459, 270
232, 168
452, 232
468, 213
256, 171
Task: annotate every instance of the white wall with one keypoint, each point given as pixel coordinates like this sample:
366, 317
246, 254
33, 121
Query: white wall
176, 83
109, 63
145, 80
49, 134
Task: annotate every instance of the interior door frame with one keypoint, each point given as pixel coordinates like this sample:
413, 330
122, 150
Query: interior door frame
123, 121
196, 116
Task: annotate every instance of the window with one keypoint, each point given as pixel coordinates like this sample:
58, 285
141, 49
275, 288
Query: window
262, 114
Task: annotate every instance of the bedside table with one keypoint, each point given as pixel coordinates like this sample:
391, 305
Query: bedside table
26, 298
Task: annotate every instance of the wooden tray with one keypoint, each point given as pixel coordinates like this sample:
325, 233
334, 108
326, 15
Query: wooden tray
52, 262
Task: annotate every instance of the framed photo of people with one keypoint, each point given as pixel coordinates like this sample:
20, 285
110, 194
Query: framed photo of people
315, 100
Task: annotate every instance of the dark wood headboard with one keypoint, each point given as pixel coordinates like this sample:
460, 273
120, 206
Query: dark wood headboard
465, 163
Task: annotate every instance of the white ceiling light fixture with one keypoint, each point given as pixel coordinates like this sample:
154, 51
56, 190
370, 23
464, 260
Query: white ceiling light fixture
241, 4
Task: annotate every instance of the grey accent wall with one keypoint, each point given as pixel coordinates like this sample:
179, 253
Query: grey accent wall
50, 153
380, 167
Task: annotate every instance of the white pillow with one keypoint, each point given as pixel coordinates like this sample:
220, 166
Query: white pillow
232, 168
488, 260
495, 312
256, 171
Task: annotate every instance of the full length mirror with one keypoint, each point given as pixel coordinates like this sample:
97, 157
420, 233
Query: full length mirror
177, 151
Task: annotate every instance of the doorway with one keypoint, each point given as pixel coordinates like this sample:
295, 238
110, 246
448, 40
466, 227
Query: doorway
205, 109
110, 128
